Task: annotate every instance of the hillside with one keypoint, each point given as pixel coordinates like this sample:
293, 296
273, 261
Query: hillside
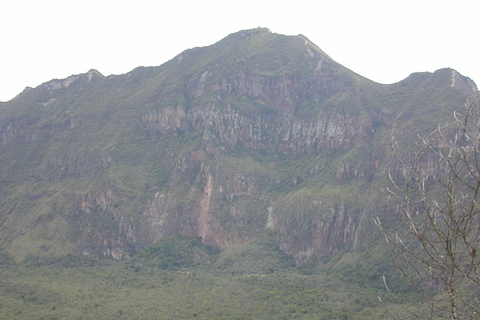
256, 132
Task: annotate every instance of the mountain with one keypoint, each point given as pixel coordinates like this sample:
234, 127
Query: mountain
256, 132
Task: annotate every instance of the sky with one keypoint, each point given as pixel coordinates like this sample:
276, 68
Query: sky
384, 41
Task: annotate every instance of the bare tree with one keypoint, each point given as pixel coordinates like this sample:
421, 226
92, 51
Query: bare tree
437, 195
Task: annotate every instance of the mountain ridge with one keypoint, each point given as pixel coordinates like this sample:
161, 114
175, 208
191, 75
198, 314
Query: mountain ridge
257, 131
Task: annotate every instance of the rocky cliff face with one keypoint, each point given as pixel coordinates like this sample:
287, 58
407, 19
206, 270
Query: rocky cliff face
111, 232
277, 131
284, 133
259, 131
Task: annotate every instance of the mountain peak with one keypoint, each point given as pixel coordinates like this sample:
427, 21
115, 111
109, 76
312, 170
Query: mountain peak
257, 130
249, 33
462, 83
442, 78
56, 84
94, 73
257, 51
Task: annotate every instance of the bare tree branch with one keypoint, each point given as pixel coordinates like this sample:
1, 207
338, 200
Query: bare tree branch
436, 196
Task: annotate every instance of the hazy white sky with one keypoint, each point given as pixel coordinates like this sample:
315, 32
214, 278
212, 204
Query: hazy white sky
382, 40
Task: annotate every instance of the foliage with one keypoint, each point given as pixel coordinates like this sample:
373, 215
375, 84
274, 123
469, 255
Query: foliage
174, 253
259, 255
113, 290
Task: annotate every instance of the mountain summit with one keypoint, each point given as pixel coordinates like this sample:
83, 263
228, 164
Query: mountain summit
258, 132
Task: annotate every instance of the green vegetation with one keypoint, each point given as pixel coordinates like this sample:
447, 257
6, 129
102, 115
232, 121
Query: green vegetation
83, 288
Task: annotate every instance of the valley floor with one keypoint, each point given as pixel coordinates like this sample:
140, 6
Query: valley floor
108, 289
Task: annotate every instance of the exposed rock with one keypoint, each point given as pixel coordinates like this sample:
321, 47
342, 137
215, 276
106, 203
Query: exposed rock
113, 236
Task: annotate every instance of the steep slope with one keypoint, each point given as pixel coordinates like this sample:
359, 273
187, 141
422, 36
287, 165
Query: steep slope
257, 131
